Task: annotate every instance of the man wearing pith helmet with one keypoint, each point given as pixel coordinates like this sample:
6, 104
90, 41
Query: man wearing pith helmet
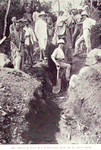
58, 58
87, 25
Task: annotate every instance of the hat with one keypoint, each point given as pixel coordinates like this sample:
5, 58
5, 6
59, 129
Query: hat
84, 13
61, 41
42, 14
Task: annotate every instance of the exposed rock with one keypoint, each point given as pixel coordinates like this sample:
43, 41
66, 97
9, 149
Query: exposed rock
3, 113
98, 56
4, 60
1, 85
93, 57
83, 104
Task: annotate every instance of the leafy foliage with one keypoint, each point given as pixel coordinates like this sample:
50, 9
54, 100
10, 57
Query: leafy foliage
46, 6
18, 8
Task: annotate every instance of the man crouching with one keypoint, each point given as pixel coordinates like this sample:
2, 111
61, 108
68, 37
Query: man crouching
58, 58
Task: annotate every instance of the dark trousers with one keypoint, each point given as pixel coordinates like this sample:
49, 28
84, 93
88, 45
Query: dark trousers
71, 30
77, 31
30, 53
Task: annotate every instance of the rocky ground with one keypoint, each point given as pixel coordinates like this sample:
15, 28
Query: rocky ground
80, 122
16, 91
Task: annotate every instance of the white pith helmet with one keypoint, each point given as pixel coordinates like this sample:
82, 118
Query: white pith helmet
42, 13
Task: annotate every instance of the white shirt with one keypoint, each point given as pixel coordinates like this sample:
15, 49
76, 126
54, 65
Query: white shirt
60, 25
88, 23
61, 19
29, 35
58, 53
41, 29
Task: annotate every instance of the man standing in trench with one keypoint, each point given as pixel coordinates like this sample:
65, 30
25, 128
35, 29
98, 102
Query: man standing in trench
87, 25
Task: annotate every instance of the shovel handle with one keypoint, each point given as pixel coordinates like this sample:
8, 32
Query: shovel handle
58, 68
2, 40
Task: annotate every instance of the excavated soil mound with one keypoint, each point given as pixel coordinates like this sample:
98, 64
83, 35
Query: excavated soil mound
81, 121
16, 92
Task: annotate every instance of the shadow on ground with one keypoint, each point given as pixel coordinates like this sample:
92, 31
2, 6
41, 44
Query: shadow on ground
43, 117
43, 123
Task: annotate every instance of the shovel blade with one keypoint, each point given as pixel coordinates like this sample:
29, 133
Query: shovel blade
56, 89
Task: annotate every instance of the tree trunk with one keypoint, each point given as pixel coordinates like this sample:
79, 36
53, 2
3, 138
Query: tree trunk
5, 20
73, 4
58, 7
91, 5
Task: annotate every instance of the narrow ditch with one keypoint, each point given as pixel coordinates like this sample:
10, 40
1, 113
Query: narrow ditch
44, 114
44, 117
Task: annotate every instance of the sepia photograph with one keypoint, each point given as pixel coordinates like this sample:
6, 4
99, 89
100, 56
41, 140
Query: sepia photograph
50, 74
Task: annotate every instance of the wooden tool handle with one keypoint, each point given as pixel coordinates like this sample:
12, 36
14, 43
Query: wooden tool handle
58, 68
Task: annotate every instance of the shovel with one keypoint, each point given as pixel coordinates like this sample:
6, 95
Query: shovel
56, 89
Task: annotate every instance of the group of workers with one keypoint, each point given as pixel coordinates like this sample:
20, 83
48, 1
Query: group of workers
24, 36
26, 33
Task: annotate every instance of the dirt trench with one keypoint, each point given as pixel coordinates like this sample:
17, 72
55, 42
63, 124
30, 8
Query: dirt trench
44, 112
45, 115
28, 118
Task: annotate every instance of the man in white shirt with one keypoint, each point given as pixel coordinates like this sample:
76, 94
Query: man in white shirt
87, 25
41, 33
58, 58
60, 24
60, 31
29, 39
